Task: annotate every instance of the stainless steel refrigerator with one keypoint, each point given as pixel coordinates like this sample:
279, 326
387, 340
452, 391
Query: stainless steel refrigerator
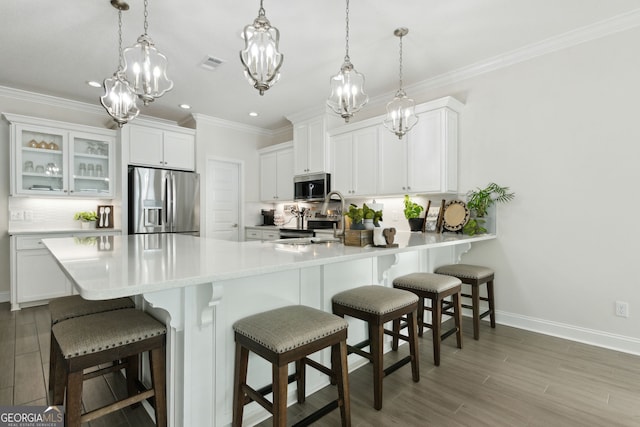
163, 201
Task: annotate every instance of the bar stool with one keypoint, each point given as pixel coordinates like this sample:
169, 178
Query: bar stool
68, 307
377, 305
285, 335
475, 276
435, 288
95, 339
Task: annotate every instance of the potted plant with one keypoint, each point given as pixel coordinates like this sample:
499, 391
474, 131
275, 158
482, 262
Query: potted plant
87, 219
360, 216
479, 201
412, 212
372, 217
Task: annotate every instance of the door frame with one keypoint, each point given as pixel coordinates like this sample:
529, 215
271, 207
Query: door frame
204, 199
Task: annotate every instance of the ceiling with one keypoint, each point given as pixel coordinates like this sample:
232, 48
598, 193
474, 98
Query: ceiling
54, 47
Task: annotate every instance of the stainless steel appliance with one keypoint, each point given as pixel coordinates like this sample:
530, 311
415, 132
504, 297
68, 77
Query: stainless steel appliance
293, 233
311, 187
163, 201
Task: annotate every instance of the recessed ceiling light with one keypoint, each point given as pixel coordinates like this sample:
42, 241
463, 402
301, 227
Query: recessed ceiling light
185, 106
253, 114
94, 83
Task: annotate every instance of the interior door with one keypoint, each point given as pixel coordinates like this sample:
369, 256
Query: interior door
223, 200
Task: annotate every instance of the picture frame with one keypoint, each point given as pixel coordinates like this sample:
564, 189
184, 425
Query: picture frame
431, 219
105, 216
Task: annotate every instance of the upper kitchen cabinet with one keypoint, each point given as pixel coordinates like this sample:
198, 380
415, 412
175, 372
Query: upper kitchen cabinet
276, 173
160, 147
354, 160
426, 159
310, 145
50, 158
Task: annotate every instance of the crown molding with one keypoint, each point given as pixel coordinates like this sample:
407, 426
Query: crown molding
616, 24
228, 124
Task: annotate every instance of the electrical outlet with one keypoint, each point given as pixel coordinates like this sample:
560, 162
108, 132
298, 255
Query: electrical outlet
622, 309
16, 215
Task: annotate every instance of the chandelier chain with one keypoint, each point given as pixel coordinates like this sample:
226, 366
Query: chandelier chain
400, 62
120, 55
146, 16
346, 56
261, 11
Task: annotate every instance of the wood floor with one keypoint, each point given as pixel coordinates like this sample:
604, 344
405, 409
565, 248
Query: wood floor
509, 377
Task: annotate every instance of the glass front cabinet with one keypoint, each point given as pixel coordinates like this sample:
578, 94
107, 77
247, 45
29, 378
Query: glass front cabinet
61, 159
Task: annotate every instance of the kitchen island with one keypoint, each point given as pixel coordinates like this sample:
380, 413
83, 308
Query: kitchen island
199, 287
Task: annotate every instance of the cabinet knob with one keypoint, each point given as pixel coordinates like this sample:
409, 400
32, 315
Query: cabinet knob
403, 188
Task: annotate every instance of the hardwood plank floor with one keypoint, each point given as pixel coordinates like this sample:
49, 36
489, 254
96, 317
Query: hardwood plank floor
510, 377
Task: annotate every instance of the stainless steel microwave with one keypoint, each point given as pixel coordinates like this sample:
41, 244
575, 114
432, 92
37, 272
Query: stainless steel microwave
311, 187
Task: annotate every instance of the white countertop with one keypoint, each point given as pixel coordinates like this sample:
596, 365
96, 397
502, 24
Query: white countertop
89, 231
138, 264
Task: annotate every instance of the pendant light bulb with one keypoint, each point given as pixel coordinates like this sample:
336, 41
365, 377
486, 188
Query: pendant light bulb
119, 99
347, 87
401, 115
146, 68
260, 56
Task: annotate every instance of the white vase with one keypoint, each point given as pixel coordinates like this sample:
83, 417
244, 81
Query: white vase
87, 225
368, 224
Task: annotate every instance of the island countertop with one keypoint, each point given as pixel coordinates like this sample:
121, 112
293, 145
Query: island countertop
138, 264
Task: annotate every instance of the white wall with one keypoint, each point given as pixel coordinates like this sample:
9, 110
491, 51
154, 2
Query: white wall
561, 131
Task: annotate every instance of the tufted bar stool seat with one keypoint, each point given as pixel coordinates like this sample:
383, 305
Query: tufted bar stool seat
89, 341
436, 288
378, 305
475, 276
71, 306
285, 335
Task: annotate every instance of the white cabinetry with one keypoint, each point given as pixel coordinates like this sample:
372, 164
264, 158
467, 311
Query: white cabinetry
310, 146
158, 147
50, 158
261, 233
354, 161
276, 173
35, 275
426, 159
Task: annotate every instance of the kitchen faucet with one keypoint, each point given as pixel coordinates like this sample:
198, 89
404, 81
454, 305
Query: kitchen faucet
327, 199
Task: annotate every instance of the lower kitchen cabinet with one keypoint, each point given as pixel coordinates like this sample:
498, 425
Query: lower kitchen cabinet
36, 277
261, 233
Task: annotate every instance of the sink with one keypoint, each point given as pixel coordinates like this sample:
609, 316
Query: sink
306, 240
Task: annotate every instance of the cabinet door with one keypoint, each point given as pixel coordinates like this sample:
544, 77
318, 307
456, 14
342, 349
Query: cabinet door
301, 149
145, 146
284, 174
424, 165
40, 160
91, 165
316, 143
342, 163
392, 176
179, 151
365, 161
39, 277
268, 176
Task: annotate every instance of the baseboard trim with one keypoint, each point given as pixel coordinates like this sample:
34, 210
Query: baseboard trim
5, 296
574, 333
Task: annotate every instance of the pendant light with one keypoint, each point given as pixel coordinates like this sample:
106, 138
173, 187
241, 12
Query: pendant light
401, 115
260, 56
347, 87
146, 67
119, 99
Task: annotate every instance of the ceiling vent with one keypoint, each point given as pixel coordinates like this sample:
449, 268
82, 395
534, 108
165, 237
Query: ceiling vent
211, 63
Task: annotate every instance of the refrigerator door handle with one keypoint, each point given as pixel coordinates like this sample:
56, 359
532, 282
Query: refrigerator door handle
165, 199
174, 201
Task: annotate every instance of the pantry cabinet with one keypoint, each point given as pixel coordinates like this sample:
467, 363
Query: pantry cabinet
354, 160
50, 158
161, 148
276, 173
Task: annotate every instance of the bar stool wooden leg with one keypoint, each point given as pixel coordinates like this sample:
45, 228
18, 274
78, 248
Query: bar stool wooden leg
158, 372
341, 373
436, 322
413, 347
132, 374
301, 369
490, 297
74, 399
280, 383
475, 297
241, 365
377, 356
420, 316
457, 318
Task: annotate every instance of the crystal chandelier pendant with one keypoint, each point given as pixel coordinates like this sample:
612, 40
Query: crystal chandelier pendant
401, 115
146, 70
347, 92
347, 87
260, 56
119, 99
